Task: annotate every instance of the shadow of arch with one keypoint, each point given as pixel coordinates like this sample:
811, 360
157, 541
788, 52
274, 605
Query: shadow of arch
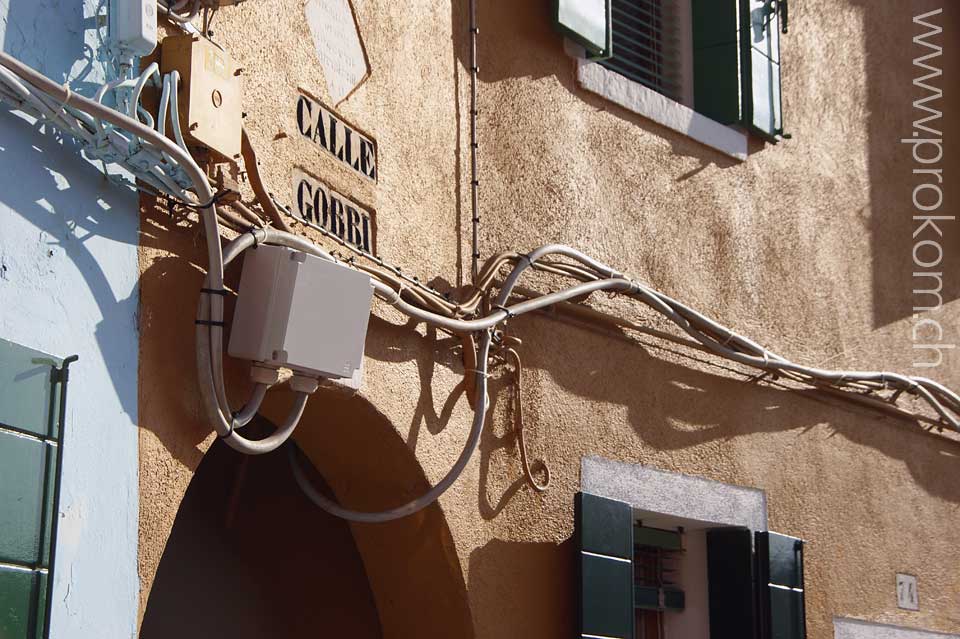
411, 564
248, 557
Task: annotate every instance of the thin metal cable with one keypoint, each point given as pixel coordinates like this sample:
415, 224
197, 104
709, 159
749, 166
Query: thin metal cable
474, 183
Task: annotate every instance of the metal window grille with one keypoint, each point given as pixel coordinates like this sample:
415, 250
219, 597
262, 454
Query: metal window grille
656, 558
644, 45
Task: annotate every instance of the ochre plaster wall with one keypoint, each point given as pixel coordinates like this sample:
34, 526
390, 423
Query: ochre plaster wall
805, 247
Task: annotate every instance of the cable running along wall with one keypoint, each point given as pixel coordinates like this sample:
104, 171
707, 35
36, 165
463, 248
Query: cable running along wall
136, 140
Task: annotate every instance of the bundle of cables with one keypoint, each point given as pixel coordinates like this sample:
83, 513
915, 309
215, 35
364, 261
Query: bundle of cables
131, 137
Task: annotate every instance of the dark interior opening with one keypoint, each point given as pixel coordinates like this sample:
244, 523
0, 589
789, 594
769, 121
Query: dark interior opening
249, 556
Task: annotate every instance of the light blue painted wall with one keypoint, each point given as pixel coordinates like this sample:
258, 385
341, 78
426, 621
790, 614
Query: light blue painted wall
68, 284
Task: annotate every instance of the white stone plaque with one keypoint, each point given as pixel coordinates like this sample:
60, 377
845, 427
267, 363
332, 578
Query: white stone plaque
338, 45
907, 596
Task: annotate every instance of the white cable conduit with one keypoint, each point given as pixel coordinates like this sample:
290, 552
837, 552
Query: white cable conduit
712, 335
175, 109
172, 11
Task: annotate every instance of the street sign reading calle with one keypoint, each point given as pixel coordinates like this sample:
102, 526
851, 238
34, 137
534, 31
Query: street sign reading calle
319, 125
319, 206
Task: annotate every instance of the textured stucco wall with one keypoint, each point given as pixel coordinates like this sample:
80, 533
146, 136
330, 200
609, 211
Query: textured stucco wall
805, 246
68, 285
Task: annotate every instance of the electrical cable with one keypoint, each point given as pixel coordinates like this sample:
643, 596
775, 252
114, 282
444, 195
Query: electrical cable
173, 12
252, 165
175, 110
247, 213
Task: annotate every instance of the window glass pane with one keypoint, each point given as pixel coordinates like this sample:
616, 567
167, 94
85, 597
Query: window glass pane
19, 617
28, 400
22, 487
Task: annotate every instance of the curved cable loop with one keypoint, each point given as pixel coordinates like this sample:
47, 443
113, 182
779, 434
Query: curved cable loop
432, 495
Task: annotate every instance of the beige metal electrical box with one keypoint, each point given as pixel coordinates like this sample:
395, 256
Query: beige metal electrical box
210, 98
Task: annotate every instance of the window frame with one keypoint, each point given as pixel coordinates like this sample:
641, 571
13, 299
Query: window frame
665, 500
731, 112
22, 371
642, 100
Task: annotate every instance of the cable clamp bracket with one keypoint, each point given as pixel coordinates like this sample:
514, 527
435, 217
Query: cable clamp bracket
500, 307
66, 98
206, 205
231, 428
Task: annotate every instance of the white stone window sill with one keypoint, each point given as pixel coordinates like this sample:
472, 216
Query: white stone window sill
637, 98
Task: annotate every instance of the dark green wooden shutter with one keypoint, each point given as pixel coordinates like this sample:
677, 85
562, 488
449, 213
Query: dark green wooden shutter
736, 63
780, 579
730, 583
716, 60
604, 537
32, 399
588, 23
760, 62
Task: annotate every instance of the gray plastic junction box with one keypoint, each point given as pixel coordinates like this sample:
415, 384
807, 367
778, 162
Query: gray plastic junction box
301, 312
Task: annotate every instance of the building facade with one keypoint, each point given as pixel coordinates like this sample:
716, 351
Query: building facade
835, 247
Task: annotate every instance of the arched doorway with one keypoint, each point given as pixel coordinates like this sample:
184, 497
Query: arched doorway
250, 557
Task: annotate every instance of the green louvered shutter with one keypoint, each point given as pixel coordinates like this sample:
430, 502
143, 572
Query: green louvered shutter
604, 537
760, 61
736, 63
32, 399
730, 583
716, 60
780, 580
586, 22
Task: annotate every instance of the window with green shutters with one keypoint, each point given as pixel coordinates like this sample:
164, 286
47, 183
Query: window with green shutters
719, 57
32, 401
754, 580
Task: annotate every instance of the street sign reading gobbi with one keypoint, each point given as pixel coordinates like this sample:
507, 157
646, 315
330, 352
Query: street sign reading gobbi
319, 206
